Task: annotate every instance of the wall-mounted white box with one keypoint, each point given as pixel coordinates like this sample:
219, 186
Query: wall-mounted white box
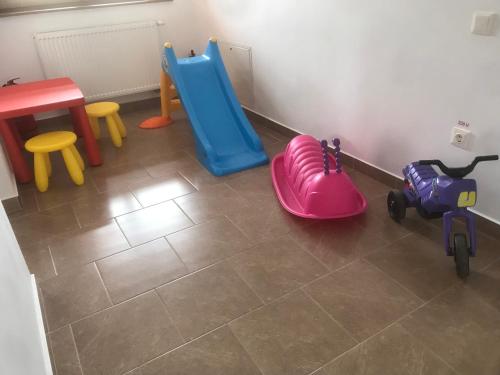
484, 23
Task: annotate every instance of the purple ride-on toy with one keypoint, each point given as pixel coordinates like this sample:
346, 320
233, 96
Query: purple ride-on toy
448, 196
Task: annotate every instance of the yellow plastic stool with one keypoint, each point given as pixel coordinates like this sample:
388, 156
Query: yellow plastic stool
108, 110
62, 141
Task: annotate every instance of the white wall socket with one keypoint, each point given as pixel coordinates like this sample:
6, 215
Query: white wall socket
461, 137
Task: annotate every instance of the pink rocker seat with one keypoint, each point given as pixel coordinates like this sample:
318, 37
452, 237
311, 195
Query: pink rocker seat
310, 182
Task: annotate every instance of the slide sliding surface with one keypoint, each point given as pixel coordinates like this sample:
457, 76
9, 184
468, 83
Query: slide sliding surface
225, 140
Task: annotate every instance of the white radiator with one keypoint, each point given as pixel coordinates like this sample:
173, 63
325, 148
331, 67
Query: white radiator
104, 61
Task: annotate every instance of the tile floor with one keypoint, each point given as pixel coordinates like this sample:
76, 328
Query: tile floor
156, 267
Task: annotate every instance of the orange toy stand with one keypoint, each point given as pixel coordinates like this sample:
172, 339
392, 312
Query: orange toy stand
169, 104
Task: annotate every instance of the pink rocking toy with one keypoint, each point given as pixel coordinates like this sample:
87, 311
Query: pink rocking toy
310, 182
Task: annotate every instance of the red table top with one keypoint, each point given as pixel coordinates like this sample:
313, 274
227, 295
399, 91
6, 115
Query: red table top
40, 96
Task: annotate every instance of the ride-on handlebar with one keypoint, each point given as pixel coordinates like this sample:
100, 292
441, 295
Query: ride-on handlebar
458, 172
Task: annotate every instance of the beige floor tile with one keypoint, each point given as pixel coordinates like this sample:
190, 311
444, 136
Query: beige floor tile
153, 222
27, 201
265, 220
39, 261
161, 189
275, 267
39, 226
210, 202
417, 263
136, 371
214, 354
63, 191
64, 355
377, 221
362, 298
72, 296
337, 243
207, 243
120, 339
275, 148
486, 283
164, 165
86, 245
199, 177
119, 177
139, 269
488, 252
255, 185
460, 328
392, 352
104, 206
291, 336
207, 299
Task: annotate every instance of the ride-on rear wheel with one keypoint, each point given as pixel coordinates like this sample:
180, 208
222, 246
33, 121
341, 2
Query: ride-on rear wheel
461, 250
396, 205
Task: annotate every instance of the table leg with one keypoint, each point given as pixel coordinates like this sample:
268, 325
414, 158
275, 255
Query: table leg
16, 133
21, 169
81, 123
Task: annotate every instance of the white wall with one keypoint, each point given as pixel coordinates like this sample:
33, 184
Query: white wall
390, 78
19, 57
23, 349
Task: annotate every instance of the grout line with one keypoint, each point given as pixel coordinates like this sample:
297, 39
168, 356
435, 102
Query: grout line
76, 349
103, 284
320, 261
123, 234
185, 214
80, 226
318, 305
247, 284
52, 261
367, 261
177, 255
172, 320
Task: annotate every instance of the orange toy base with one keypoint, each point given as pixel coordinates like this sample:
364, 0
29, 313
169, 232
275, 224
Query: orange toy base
156, 122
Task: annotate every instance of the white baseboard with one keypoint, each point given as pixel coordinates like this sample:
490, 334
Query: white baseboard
41, 329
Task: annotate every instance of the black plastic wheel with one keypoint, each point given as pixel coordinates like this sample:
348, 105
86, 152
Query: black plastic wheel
396, 205
461, 250
425, 214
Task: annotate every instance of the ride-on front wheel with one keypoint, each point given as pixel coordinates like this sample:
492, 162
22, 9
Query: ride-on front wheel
461, 251
396, 205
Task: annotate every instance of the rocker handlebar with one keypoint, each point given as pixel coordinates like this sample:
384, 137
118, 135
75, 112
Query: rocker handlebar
458, 172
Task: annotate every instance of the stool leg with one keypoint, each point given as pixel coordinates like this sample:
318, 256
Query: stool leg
72, 166
48, 164
78, 157
41, 176
121, 128
113, 131
94, 124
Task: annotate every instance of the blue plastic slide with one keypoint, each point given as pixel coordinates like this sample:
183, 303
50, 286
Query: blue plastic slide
225, 140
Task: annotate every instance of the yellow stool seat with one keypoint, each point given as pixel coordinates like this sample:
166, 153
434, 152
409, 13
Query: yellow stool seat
49, 142
42, 144
109, 111
102, 109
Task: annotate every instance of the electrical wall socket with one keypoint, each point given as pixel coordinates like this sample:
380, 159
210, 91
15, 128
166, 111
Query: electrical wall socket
461, 137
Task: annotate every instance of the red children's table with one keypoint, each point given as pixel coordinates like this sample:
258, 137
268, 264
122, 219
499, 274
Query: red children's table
42, 96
